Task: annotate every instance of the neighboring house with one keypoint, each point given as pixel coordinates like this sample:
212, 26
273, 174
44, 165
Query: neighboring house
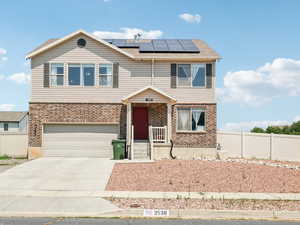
13, 121
87, 91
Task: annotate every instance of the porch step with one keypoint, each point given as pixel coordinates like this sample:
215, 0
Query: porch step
141, 149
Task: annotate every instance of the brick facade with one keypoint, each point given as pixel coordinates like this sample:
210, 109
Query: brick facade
207, 139
40, 113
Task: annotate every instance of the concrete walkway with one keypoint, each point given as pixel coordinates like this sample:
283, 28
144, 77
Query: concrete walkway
58, 174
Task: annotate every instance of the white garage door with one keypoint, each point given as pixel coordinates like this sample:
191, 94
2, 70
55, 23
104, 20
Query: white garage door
79, 140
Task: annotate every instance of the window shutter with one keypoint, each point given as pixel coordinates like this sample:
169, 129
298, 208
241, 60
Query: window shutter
115, 75
173, 75
209, 75
46, 75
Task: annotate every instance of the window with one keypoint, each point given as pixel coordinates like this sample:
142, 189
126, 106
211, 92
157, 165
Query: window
190, 119
6, 127
191, 75
81, 74
105, 75
57, 74
88, 74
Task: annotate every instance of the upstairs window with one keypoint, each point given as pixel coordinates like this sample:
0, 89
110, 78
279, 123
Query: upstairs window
81, 74
191, 75
190, 119
57, 74
88, 74
105, 75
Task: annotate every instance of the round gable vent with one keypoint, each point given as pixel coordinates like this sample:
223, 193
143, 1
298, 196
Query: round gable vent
81, 43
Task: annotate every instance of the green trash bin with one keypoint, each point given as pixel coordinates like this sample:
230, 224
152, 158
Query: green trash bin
119, 149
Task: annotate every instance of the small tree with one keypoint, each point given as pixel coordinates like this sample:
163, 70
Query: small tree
274, 130
258, 130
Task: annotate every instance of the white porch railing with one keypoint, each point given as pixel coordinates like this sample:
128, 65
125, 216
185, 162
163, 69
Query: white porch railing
132, 143
159, 134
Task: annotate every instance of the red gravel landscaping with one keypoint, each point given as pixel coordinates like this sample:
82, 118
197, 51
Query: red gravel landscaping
148, 203
203, 176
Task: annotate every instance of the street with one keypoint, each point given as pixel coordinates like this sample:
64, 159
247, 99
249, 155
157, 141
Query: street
86, 221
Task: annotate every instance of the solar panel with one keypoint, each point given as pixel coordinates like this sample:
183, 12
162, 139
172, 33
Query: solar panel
146, 47
189, 46
174, 46
157, 45
160, 45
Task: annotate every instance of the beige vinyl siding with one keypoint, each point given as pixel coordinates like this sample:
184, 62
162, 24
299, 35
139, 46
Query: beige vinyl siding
133, 75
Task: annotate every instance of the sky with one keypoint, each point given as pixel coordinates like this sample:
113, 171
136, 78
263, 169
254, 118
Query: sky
258, 77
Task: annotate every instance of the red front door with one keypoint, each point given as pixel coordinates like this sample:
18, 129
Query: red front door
140, 122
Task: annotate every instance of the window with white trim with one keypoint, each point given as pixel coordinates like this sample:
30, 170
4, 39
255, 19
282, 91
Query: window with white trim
190, 119
105, 75
81, 74
57, 74
191, 75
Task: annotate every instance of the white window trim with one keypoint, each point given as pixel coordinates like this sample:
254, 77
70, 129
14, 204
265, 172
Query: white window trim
112, 77
191, 84
52, 75
81, 75
190, 108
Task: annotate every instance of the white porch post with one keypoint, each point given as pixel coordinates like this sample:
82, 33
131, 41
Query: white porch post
169, 123
128, 122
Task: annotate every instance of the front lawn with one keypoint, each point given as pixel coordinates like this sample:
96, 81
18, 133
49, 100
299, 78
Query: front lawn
203, 176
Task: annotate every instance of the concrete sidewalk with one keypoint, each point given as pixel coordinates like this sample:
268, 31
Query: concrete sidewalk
164, 195
47, 206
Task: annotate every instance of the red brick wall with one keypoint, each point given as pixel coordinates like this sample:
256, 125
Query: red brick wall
40, 113
201, 140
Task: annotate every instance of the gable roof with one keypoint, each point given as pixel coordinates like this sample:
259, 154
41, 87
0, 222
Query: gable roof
54, 42
206, 53
148, 88
7, 116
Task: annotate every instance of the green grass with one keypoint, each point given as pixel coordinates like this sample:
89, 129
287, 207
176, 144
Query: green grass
4, 157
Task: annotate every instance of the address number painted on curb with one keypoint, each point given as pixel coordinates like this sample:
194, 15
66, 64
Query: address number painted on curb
156, 212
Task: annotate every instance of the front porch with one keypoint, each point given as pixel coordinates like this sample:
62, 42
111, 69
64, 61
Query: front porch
149, 121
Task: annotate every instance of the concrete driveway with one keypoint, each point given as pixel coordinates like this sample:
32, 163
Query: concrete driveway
56, 187
58, 174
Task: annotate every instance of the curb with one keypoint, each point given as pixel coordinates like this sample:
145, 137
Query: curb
163, 195
174, 214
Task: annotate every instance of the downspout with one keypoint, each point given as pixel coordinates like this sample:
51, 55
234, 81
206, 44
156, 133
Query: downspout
152, 71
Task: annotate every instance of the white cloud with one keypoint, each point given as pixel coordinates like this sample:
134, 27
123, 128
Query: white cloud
6, 107
128, 33
3, 52
190, 18
2, 77
247, 126
256, 87
20, 78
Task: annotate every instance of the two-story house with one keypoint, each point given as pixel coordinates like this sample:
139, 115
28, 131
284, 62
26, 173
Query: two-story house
88, 91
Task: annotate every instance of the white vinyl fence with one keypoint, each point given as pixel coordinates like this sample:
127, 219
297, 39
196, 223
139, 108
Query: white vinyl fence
13, 144
260, 146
